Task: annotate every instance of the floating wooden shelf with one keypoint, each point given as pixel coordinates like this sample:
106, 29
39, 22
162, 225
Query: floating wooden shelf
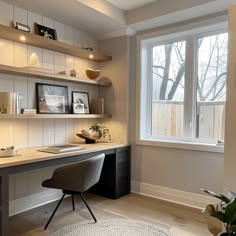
41, 42
54, 116
46, 75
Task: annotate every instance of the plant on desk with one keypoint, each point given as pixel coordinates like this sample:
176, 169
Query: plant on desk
101, 130
95, 132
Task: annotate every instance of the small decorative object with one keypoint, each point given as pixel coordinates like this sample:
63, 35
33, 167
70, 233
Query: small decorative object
225, 211
97, 131
22, 27
92, 74
101, 130
80, 99
8, 151
88, 48
28, 111
88, 132
52, 99
45, 32
105, 81
73, 73
97, 106
34, 60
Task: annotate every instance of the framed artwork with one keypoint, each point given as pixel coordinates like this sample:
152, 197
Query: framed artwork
21, 26
80, 102
45, 32
52, 99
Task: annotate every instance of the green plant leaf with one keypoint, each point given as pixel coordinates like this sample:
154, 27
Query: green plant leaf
220, 196
230, 210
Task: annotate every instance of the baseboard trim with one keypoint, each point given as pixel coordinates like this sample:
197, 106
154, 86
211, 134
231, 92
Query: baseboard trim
29, 202
172, 195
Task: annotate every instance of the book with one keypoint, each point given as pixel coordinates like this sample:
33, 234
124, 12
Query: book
97, 106
61, 148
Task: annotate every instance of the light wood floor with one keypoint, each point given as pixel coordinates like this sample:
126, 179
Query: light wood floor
184, 220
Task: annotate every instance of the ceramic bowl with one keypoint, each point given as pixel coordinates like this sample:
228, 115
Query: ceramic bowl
92, 74
8, 153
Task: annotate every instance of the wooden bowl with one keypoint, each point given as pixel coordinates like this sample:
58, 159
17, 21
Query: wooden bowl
92, 74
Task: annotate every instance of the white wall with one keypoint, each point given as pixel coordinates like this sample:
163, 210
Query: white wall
117, 97
41, 132
230, 147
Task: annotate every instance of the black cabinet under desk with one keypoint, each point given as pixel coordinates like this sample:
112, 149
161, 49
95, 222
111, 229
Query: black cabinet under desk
115, 177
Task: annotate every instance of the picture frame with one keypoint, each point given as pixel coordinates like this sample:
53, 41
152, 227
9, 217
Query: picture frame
80, 102
51, 99
21, 26
45, 31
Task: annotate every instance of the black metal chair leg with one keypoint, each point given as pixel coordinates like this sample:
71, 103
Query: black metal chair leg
54, 212
73, 201
88, 208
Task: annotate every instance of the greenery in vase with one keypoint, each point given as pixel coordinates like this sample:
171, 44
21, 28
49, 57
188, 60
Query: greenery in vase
101, 130
225, 211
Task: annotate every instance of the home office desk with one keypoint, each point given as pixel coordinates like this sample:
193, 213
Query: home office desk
114, 181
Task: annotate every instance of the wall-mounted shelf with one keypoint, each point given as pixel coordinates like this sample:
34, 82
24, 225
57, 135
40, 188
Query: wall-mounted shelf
46, 75
41, 42
54, 116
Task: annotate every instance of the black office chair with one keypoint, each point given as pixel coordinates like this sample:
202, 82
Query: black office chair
75, 178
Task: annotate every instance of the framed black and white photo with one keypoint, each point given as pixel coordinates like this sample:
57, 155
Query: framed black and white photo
80, 102
52, 99
45, 31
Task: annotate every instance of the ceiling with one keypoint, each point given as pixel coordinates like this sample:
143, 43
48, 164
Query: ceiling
107, 18
129, 4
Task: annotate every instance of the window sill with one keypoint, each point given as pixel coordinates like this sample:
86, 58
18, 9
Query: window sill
204, 147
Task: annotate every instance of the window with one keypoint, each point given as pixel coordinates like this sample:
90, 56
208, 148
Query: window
183, 86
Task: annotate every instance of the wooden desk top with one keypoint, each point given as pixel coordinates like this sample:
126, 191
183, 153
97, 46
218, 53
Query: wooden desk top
31, 155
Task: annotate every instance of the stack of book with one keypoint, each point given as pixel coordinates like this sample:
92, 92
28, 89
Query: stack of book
61, 148
97, 106
29, 111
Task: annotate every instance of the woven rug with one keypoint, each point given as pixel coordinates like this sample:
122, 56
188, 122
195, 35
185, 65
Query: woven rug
114, 227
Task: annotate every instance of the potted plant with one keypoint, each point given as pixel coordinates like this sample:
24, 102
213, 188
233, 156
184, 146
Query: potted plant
225, 211
101, 130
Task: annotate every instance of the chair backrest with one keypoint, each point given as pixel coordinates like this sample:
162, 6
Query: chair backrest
79, 176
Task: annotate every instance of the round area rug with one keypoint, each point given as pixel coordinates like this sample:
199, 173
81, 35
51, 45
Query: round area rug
113, 227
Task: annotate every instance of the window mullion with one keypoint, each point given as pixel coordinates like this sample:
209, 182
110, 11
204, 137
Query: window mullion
189, 104
149, 91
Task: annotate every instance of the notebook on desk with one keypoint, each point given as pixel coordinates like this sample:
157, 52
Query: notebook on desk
61, 148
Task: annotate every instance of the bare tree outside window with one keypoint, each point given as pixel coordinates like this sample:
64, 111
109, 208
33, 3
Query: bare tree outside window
168, 89
211, 86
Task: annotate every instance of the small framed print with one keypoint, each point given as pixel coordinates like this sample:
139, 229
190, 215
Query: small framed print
80, 102
45, 31
52, 99
22, 27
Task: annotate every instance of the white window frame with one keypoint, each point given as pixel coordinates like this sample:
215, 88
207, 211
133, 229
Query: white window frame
189, 33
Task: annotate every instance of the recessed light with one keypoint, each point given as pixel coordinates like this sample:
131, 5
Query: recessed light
91, 56
22, 38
